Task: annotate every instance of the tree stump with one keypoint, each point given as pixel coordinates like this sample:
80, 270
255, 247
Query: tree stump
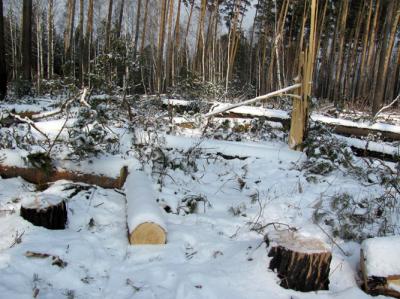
380, 266
302, 264
45, 210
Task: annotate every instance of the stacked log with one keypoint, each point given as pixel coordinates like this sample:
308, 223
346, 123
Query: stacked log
144, 216
301, 263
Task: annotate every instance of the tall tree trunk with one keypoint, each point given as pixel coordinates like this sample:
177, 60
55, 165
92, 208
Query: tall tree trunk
168, 65
50, 41
391, 23
108, 26
138, 11
144, 28
121, 16
175, 58
27, 40
81, 41
160, 55
69, 30
3, 69
88, 40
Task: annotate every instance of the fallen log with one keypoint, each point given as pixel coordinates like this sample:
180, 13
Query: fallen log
302, 264
42, 177
145, 220
45, 210
380, 266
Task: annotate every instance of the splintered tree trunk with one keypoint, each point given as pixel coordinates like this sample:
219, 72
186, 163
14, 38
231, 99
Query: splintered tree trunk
302, 264
3, 69
48, 211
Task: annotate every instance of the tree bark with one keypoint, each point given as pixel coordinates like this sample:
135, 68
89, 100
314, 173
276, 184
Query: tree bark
138, 12
3, 68
50, 41
27, 40
52, 216
108, 26
88, 40
69, 30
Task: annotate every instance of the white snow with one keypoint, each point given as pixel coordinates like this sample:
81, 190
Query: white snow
40, 201
141, 201
175, 102
382, 256
349, 123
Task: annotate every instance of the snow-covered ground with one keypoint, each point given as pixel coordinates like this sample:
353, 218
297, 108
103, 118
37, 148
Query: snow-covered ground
215, 252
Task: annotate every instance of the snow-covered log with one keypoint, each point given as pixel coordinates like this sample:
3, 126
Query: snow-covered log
145, 220
302, 263
380, 266
45, 210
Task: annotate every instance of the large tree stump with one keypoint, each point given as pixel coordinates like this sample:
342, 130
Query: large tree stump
45, 210
380, 266
302, 264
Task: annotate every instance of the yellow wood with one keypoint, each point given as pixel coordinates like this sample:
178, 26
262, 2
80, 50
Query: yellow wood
148, 233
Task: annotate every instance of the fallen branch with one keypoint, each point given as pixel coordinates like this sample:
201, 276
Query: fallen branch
387, 106
256, 99
32, 124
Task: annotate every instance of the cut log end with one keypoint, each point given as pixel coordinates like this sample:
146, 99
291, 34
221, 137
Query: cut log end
302, 264
52, 215
148, 233
379, 267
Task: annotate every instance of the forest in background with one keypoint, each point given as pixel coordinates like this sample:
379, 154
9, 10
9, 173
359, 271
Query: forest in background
169, 46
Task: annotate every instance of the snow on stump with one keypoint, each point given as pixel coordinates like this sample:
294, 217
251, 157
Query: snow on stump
302, 263
45, 210
145, 220
380, 266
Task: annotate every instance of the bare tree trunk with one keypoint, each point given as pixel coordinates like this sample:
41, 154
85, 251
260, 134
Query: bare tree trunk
175, 60
138, 10
391, 22
108, 26
3, 69
27, 40
38, 51
168, 66
144, 27
161, 37
69, 31
88, 41
121, 15
50, 41
81, 42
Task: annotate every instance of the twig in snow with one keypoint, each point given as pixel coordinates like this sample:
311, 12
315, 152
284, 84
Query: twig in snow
333, 241
387, 106
17, 239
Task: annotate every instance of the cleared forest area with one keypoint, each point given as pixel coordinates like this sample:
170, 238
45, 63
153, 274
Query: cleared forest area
199, 149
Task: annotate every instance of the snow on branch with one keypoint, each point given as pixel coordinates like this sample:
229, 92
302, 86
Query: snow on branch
256, 99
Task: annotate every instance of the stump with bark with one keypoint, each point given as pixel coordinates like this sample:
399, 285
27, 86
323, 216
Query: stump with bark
45, 210
380, 266
302, 264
